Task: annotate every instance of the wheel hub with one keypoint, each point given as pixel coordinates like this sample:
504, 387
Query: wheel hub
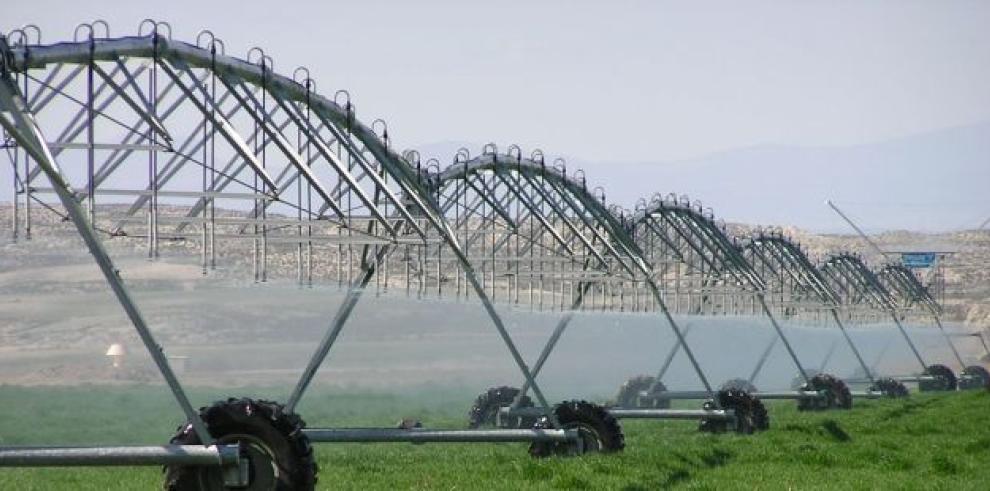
262, 470
590, 441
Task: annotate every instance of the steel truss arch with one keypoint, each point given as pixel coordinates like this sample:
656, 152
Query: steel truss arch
687, 246
500, 195
856, 285
906, 289
689, 250
794, 281
911, 296
797, 287
518, 215
863, 294
894, 289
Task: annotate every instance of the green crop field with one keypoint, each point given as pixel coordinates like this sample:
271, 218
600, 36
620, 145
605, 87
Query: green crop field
925, 442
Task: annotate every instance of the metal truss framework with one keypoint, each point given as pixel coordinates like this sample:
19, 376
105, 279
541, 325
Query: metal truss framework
895, 291
219, 153
797, 288
534, 228
694, 257
243, 133
911, 296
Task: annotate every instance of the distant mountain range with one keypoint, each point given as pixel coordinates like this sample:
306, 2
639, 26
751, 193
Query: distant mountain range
934, 181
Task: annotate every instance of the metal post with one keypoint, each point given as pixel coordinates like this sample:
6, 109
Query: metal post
554, 338
856, 228
852, 346
213, 156
204, 229
763, 359
218, 455
680, 340
948, 340
780, 332
27, 192
670, 355
417, 435
690, 414
883, 351
90, 130
827, 357
14, 225
353, 295
27, 172
153, 155
152, 180
984, 343
893, 315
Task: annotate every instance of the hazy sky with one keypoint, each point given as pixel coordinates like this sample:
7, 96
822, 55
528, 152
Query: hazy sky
615, 80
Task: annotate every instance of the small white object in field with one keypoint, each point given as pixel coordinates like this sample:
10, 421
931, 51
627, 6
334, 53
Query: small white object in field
116, 353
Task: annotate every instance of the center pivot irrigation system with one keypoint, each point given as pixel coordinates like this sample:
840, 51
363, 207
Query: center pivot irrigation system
298, 176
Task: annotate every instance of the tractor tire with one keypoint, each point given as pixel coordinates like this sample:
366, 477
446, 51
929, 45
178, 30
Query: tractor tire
600, 431
980, 378
739, 384
945, 379
279, 454
837, 395
798, 381
751, 414
890, 388
629, 394
484, 411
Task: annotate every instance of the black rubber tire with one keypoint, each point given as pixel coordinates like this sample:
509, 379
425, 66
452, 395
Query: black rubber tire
945, 379
739, 384
628, 396
981, 378
280, 455
891, 388
798, 381
600, 431
837, 395
484, 411
751, 414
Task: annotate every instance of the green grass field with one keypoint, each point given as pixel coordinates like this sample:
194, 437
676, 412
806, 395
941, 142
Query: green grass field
926, 442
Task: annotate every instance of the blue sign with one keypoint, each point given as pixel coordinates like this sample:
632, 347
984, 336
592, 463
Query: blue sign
917, 260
